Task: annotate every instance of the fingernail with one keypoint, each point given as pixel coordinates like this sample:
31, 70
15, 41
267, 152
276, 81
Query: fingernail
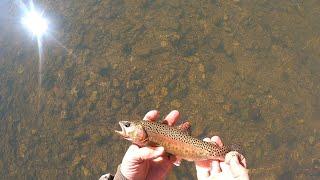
150, 115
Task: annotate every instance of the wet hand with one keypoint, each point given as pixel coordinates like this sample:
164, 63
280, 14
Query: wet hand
234, 166
149, 162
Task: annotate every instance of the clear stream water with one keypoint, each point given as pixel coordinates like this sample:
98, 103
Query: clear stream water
246, 70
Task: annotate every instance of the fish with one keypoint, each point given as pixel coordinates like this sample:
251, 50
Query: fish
176, 140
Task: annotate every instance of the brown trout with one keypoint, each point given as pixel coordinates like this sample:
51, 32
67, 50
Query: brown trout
175, 140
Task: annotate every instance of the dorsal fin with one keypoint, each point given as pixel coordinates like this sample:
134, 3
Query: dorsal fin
185, 127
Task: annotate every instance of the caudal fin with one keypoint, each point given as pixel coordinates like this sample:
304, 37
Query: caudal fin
236, 147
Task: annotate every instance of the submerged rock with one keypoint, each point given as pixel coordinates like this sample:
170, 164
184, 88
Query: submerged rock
311, 140
104, 72
254, 114
81, 136
20, 69
85, 171
176, 104
93, 96
115, 103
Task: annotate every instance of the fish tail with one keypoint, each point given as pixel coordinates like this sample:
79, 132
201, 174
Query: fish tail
236, 147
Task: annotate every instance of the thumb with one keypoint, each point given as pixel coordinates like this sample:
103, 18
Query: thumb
146, 153
236, 168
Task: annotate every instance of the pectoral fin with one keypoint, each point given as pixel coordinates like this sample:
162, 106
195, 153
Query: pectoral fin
178, 161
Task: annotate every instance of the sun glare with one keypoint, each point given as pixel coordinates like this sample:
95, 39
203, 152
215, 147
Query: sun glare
35, 22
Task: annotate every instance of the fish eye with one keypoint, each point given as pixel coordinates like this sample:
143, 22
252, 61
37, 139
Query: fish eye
127, 124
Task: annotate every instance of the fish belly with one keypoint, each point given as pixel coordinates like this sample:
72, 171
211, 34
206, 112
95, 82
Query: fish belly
181, 149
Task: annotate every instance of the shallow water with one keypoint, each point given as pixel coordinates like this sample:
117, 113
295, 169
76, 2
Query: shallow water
247, 71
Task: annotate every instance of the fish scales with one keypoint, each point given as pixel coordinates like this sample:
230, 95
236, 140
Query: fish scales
181, 144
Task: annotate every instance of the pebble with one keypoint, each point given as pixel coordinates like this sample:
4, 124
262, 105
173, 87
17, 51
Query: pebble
20, 69
22, 150
225, 17
316, 163
93, 96
176, 104
151, 88
117, 93
63, 114
164, 92
115, 103
77, 159
164, 43
311, 140
201, 68
115, 82
258, 153
227, 107
33, 132
301, 121
219, 98
142, 93
254, 114
74, 91
85, 171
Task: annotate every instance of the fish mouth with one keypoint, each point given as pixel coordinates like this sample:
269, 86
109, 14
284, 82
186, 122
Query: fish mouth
123, 130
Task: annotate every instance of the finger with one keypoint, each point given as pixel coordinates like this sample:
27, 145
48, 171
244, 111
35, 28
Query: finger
131, 154
106, 177
132, 149
236, 168
205, 164
230, 155
217, 140
215, 168
172, 118
158, 159
165, 157
152, 115
225, 168
203, 169
146, 153
163, 167
234, 154
242, 160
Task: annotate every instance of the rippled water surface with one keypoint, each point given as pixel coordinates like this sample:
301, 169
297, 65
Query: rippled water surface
246, 70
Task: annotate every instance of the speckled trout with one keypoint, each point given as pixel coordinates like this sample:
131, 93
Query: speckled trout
175, 140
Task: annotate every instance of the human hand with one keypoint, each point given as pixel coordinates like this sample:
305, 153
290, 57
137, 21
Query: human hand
149, 162
234, 166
